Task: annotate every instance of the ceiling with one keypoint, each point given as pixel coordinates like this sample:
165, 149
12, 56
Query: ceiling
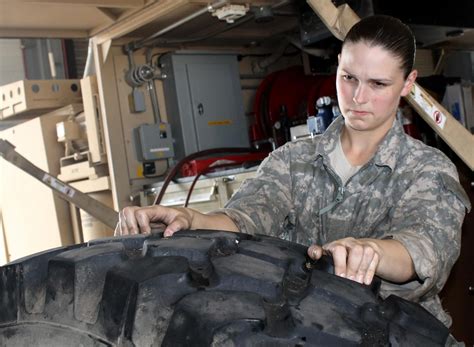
86, 18
61, 18
133, 19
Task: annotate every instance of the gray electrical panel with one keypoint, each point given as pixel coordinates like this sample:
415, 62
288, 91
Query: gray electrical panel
154, 142
204, 101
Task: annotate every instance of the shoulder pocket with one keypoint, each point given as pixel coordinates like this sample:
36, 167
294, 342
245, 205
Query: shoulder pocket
455, 187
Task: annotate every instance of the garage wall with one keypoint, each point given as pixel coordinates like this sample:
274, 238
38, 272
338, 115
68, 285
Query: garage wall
11, 61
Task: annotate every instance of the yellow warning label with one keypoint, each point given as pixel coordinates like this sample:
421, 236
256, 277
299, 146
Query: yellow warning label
220, 122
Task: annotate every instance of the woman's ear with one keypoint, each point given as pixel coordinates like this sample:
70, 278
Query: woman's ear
409, 83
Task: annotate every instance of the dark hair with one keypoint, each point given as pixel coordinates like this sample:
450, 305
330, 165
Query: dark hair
389, 33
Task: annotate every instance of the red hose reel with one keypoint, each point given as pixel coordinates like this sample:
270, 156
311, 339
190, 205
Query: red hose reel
287, 97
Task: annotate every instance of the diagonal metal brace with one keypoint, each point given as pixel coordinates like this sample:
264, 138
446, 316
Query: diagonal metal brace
105, 214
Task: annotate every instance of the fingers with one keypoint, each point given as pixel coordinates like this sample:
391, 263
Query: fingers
143, 217
354, 262
339, 257
133, 219
356, 259
180, 220
369, 275
127, 223
366, 256
315, 252
179, 223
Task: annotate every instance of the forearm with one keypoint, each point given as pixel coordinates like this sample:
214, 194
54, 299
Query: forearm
218, 221
395, 263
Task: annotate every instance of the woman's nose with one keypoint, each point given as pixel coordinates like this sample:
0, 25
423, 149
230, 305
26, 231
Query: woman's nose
360, 95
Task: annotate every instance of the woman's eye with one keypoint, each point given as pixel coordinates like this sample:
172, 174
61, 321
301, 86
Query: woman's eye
348, 77
379, 84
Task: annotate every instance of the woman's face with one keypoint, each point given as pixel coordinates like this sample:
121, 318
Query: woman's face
369, 84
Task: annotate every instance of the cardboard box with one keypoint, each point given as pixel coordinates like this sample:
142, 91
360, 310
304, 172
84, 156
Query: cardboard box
30, 98
458, 101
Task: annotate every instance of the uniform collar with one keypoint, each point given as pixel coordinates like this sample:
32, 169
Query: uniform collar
328, 140
389, 149
387, 154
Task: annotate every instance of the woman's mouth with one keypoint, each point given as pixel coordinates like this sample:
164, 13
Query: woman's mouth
360, 113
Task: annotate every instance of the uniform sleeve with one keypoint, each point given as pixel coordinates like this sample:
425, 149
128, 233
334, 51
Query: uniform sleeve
427, 221
262, 203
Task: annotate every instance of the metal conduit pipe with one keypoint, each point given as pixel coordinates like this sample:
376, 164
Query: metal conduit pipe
317, 52
208, 36
152, 40
262, 65
141, 43
237, 23
281, 3
151, 89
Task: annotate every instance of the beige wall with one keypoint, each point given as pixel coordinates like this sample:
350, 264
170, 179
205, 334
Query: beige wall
34, 218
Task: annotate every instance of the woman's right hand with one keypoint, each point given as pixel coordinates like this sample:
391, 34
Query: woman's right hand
136, 220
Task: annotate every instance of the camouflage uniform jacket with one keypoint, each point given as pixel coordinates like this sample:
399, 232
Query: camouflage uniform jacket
408, 191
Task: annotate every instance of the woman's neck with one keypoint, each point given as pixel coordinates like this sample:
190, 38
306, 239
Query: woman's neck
360, 146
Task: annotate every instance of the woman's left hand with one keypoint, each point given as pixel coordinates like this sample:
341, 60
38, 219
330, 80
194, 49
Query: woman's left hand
355, 259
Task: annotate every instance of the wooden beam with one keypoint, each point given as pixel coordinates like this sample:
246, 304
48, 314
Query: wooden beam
112, 17
113, 128
444, 124
42, 33
105, 49
339, 20
94, 3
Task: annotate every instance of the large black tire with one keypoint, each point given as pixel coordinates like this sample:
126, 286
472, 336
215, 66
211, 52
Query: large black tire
198, 288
